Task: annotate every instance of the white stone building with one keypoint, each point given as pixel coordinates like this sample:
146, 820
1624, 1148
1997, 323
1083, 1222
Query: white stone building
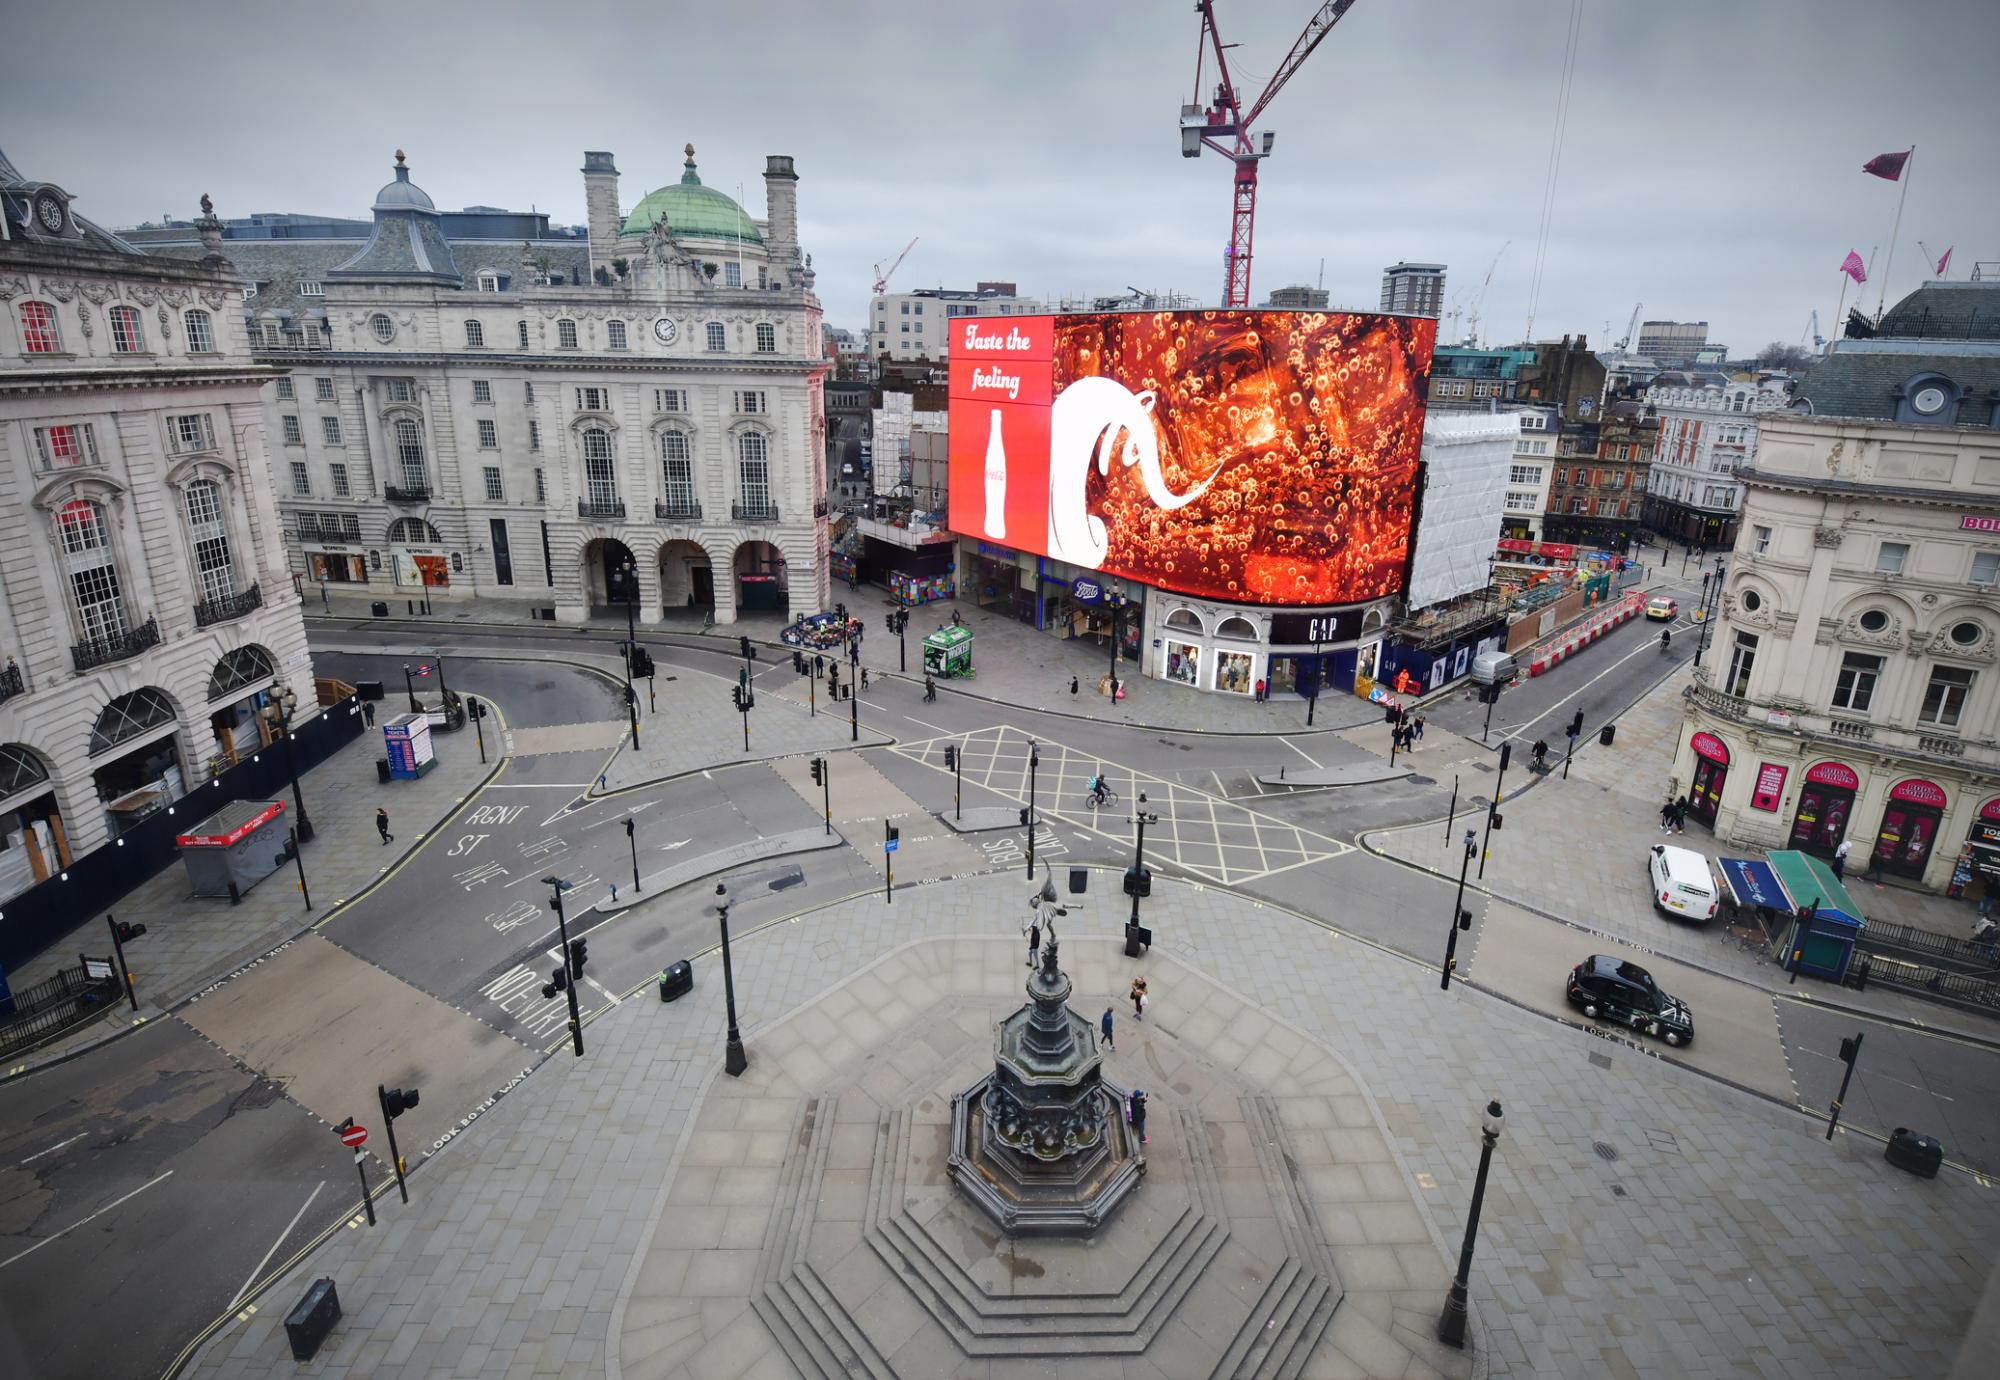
144, 604
913, 325
1708, 432
1527, 497
566, 424
1849, 689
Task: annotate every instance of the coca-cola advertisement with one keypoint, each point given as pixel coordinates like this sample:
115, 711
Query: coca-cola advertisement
1263, 457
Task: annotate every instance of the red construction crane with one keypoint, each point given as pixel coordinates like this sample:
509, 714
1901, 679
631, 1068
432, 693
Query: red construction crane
1227, 119
882, 278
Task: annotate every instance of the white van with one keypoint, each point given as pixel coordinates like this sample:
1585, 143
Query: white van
1489, 668
1682, 882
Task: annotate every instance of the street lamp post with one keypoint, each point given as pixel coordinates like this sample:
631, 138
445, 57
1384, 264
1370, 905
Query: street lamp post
283, 701
557, 886
1493, 809
410, 688
898, 621
1140, 817
1034, 761
1451, 1322
1712, 607
1458, 915
734, 1060
1116, 602
1319, 674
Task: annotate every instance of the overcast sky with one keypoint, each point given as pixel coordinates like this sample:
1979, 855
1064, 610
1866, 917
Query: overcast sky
1711, 167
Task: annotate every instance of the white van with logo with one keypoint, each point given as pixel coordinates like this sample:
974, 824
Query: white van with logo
1682, 882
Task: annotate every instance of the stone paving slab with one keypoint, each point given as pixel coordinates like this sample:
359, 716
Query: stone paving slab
1686, 1255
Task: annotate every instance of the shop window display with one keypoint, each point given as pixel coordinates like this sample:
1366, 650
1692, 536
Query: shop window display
1232, 672
1183, 664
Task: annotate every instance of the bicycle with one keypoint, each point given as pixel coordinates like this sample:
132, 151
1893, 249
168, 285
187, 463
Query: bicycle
1092, 800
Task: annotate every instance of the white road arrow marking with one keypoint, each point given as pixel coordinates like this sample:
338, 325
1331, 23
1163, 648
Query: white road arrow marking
670, 847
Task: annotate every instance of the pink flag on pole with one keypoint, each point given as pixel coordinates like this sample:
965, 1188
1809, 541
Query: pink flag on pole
1943, 261
1854, 268
1888, 166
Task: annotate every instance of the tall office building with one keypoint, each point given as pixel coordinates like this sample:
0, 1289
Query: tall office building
1672, 342
1415, 289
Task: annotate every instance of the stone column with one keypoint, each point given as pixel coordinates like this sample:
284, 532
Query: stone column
600, 200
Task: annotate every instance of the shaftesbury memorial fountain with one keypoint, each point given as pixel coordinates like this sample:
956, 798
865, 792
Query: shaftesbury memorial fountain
1041, 1144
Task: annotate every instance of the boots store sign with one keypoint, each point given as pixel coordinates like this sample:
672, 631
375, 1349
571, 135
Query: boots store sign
1256, 457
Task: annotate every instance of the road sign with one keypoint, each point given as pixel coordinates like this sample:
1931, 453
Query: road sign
354, 1136
890, 846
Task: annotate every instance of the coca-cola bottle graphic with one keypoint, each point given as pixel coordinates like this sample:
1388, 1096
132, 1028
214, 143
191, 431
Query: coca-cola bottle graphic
996, 481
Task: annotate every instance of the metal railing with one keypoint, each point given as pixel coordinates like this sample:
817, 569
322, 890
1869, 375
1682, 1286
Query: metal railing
102, 651
1810, 723
754, 512
46, 1010
211, 611
614, 509
407, 493
1969, 991
677, 510
11, 681
1974, 958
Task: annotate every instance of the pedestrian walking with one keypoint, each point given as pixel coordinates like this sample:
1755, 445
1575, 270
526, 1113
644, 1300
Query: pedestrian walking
1840, 859
368, 713
1104, 1024
854, 651
1138, 1105
1539, 756
864, 680
1072, 685
1874, 870
1138, 999
1681, 815
1667, 815
322, 598
1418, 724
930, 689
382, 826
1258, 693
1034, 941
957, 619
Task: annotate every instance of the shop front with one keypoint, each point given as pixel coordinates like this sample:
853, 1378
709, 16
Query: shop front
336, 565
1826, 804
1001, 579
1228, 648
1983, 848
1910, 824
1711, 770
421, 567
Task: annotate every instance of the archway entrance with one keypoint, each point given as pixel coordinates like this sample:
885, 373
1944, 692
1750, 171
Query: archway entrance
136, 759
687, 580
610, 575
760, 578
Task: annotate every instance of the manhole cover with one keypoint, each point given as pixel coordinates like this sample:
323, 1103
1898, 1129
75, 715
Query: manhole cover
1618, 1190
1423, 781
1602, 1061
1604, 1152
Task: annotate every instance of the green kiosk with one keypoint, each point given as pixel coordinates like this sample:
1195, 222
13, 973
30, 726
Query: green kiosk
1824, 945
948, 652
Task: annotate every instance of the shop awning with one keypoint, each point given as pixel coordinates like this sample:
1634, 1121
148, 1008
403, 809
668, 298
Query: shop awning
1752, 883
1810, 882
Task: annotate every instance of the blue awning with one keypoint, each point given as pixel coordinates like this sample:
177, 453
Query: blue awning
1752, 882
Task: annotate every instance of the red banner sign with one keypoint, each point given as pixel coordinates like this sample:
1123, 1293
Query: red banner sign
234, 836
1261, 457
1970, 522
1991, 809
1837, 774
1709, 746
1917, 792
1770, 786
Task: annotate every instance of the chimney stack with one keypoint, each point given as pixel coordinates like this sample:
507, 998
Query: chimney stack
600, 200
781, 203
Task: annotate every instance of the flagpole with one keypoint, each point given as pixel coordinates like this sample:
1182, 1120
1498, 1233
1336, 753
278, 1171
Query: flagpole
1845, 277
1909, 160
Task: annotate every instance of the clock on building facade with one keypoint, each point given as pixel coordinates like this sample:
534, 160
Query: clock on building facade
664, 330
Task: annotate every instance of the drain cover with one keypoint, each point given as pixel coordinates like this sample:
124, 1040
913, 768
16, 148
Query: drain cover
1604, 1152
1602, 1061
1618, 1190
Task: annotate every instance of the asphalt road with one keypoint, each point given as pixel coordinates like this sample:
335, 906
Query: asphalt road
140, 1190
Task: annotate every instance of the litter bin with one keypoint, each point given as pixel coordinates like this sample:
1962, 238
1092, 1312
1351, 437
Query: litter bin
1079, 880
1606, 734
382, 770
308, 1324
1920, 1155
380, 608
676, 980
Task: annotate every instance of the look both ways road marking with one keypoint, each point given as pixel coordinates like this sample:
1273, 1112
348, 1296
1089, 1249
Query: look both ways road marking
1200, 832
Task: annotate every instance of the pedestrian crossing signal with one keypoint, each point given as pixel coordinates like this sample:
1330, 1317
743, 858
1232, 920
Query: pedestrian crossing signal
819, 771
1024, 814
558, 982
950, 757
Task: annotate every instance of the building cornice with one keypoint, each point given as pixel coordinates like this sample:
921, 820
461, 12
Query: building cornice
169, 376
1854, 488
379, 359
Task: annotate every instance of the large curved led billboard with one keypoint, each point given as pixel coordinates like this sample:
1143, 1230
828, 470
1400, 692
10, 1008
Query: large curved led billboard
1265, 457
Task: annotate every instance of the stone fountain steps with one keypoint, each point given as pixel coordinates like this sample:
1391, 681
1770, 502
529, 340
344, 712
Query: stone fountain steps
1047, 1323
1302, 1314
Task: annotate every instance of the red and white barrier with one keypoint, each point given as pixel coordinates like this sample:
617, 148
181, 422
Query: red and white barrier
1559, 648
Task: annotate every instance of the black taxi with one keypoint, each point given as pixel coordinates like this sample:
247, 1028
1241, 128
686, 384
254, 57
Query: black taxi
1612, 989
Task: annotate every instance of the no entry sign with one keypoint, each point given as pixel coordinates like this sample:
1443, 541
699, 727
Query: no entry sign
354, 1136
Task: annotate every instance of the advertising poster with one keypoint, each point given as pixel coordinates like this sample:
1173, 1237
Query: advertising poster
1769, 788
1258, 457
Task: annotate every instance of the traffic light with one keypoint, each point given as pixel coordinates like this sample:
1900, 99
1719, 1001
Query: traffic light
558, 982
890, 622
1498, 819
1850, 1050
744, 643
396, 1101
631, 697
628, 826
1576, 725
1506, 755
891, 833
1024, 814
951, 757
579, 954
642, 663
819, 771
1464, 918
798, 661
127, 932
736, 698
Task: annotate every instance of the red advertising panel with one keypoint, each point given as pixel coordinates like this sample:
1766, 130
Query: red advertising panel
1770, 786
1260, 457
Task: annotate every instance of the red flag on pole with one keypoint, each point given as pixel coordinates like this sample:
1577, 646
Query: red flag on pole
1943, 261
1888, 166
1854, 268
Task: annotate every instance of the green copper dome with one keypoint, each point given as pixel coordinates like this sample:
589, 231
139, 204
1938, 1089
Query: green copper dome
692, 210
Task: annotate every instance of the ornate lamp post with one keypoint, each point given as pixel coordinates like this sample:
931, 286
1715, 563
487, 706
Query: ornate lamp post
281, 702
1116, 602
1451, 1322
734, 1060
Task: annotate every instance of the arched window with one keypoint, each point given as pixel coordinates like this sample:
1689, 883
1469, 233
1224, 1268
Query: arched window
600, 480
410, 453
200, 331
384, 328
566, 334
214, 567
413, 532
130, 715
39, 335
1236, 627
754, 466
524, 333
92, 572
128, 336
767, 338
718, 339
20, 768
247, 665
1184, 620
677, 471
475, 336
